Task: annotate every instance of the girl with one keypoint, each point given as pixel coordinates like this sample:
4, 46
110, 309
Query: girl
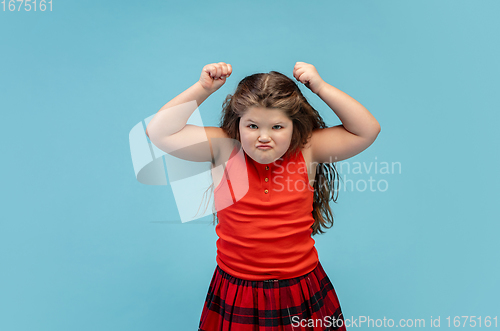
273, 172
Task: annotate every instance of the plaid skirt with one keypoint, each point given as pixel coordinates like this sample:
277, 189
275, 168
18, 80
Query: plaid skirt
308, 302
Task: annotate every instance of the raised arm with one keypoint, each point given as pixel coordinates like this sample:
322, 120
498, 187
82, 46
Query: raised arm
359, 127
168, 129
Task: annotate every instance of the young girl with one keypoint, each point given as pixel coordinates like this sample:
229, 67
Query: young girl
273, 172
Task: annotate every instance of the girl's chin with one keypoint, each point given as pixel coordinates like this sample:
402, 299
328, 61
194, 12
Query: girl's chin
262, 156
263, 159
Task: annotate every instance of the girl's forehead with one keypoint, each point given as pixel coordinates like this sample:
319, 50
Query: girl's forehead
261, 113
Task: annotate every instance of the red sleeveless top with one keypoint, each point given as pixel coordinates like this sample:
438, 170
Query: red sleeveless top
265, 218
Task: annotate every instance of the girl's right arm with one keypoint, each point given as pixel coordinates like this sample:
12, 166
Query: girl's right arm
168, 129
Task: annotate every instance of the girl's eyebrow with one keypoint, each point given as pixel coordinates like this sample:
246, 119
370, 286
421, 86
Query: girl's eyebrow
250, 120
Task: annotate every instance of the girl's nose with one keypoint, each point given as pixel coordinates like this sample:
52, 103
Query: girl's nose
264, 138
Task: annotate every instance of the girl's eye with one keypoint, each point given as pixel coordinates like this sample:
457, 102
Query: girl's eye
251, 126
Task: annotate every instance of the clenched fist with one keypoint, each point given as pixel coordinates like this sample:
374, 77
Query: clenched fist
214, 75
308, 75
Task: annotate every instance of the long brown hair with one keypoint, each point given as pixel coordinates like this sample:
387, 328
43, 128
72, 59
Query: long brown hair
275, 90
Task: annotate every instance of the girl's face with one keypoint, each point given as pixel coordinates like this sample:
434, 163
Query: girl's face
265, 126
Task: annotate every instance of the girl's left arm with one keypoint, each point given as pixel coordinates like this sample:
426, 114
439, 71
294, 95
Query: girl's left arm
359, 128
354, 116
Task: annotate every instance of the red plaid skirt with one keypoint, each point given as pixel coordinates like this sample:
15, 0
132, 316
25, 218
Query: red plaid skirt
308, 302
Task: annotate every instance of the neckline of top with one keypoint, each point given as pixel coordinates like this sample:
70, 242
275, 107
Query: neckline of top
264, 166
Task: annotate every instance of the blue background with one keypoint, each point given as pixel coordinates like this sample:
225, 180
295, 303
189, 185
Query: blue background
85, 246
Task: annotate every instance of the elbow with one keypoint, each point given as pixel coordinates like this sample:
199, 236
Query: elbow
149, 132
374, 132
376, 128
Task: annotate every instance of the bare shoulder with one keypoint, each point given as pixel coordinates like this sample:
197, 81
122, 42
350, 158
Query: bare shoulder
308, 159
221, 145
307, 152
215, 131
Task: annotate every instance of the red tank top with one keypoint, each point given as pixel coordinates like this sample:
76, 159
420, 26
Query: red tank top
265, 218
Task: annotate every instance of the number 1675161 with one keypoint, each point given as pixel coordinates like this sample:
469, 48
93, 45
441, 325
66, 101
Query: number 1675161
26, 5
